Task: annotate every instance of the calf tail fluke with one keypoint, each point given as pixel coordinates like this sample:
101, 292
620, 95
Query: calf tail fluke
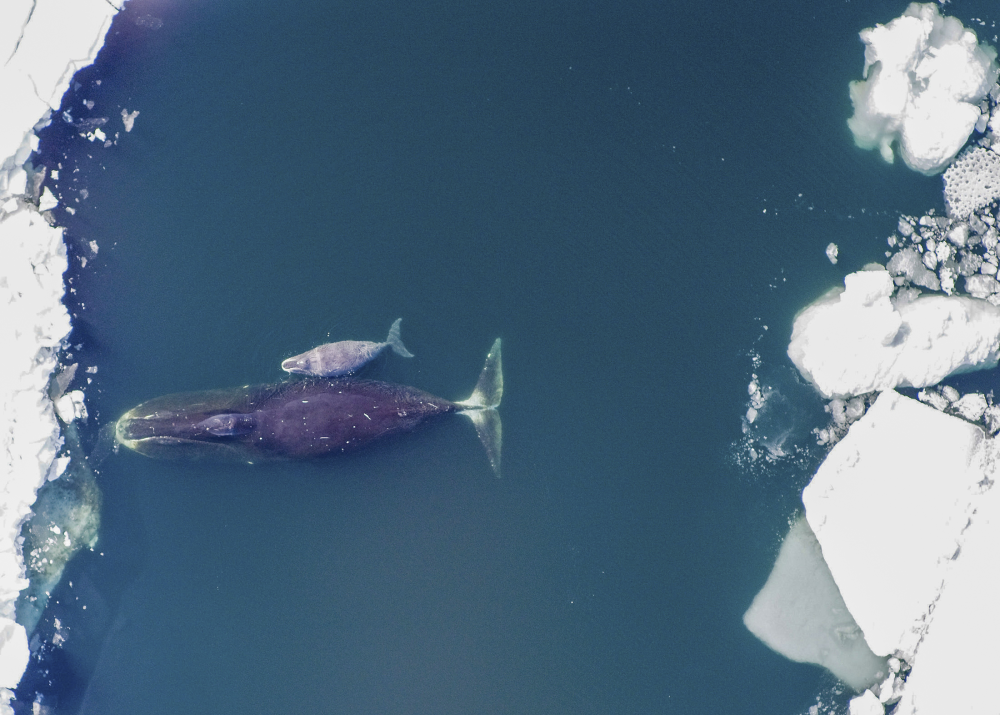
482, 405
396, 342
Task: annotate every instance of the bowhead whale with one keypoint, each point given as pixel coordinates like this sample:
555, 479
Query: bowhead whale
304, 418
344, 357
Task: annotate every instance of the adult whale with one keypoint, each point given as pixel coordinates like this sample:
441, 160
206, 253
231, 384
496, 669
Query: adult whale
303, 418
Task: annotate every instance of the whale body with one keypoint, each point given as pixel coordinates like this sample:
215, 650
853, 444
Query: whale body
302, 419
345, 356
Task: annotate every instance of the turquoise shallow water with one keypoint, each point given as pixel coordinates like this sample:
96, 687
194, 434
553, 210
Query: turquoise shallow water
627, 195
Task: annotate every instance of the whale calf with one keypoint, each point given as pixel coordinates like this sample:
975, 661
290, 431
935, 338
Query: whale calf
345, 356
303, 418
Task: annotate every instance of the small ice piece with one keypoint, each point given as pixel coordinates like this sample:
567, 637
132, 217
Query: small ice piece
904, 227
865, 704
959, 235
854, 410
972, 406
981, 286
935, 399
970, 263
950, 393
991, 418
907, 263
944, 251
71, 406
831, 252
924, 76
947, 275
48, 200
982, 122
128, 119
800, 614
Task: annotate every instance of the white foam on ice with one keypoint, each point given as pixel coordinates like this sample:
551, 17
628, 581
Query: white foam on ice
855, 341
42, 45
924, 77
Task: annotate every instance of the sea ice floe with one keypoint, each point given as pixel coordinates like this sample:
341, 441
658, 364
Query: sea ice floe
855, 341
924, 78
13, 652
955, 669
889, 507
43, 43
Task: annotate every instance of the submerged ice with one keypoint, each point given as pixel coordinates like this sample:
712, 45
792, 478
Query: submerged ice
801, 614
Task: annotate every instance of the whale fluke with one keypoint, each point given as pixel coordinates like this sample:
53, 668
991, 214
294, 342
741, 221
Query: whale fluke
481, 407
395, 342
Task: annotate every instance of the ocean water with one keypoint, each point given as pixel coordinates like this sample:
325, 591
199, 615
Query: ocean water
636, 198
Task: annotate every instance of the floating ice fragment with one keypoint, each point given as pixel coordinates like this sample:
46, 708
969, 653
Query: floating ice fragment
924, 77
981, 286
960, 234
128, 119
71, 407
971, 407
831, 252
934, 398
854, 341
907, 263
48, 200
866, 704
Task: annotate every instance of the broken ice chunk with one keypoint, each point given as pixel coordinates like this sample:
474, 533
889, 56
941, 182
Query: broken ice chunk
70, 407
128, 119
48, 200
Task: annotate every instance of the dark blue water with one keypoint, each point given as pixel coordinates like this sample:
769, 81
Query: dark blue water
634, 197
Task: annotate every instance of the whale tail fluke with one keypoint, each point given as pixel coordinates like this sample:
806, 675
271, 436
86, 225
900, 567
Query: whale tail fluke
396, 342
481, 407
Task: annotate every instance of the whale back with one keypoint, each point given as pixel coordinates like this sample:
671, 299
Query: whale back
309, 418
